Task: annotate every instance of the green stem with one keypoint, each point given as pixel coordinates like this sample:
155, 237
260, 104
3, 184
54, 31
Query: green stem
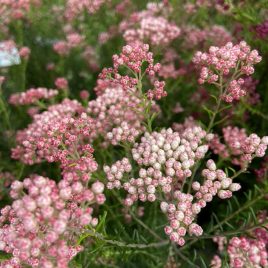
124, 244
217, 108
4, 109
145, 227
210, 126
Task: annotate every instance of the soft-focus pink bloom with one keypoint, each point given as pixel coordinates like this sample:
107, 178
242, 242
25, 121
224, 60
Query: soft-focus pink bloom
84, 94
25, 52
61, 83
32, 96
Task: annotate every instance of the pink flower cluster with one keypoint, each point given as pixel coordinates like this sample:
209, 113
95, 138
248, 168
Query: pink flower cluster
25, 52
156, 30
75, 8
61, 83
118, 115
32, 96
238, 146
219, 5
133, 57
32, 145
145, 187
11, 10
42, 224
220, 61
235, 91
262, 29
64, 141
168, 67
73, 39
150, 26
166, 158
91, 57
195, 37
74, 185
61, 47
247, 252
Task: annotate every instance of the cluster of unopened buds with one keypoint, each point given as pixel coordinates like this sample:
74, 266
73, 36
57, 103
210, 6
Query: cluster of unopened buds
181, 217
216, 183
32, 96
235, 91
240, 147
228, 61
43, 223
176, 152
123, 133
63, 142
158, 92
116, 172
183, 214
145, 187
167, 156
